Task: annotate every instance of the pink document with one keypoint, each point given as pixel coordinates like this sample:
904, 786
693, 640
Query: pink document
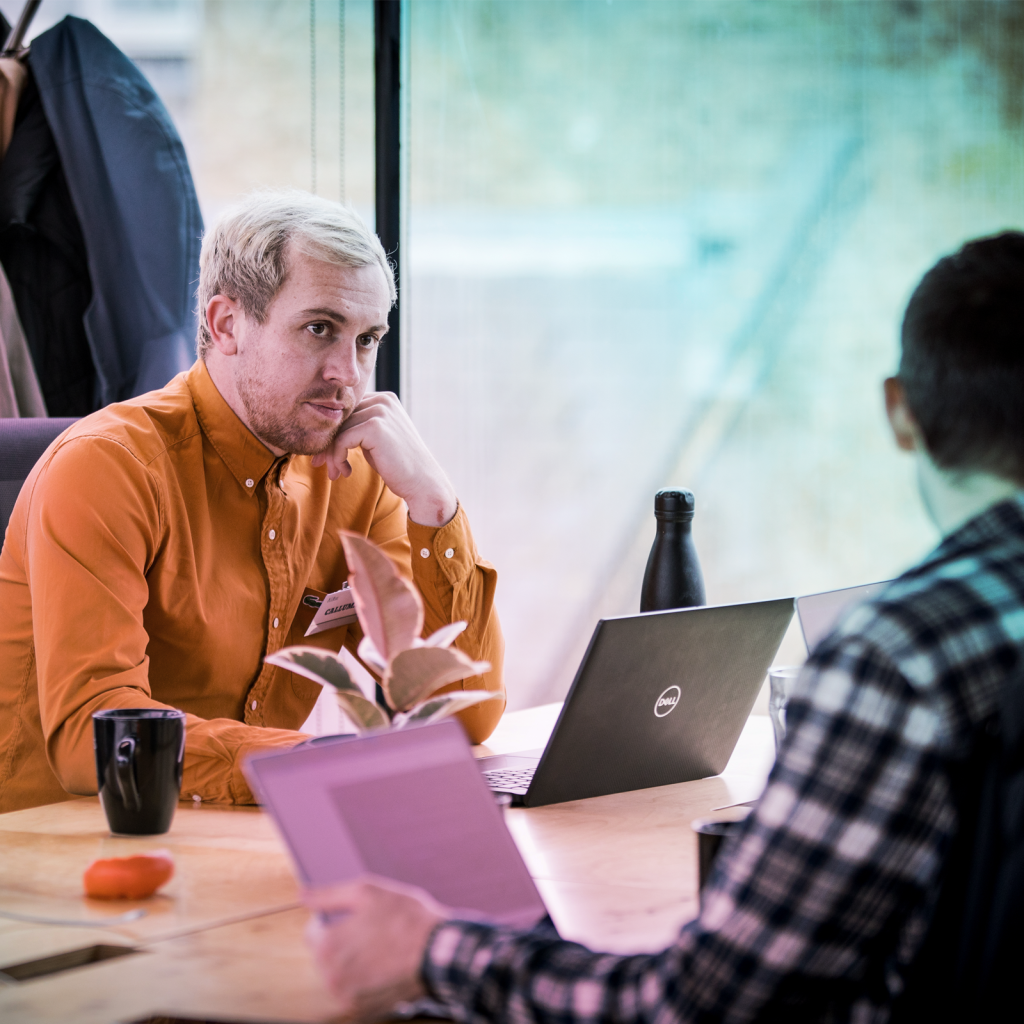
410, 805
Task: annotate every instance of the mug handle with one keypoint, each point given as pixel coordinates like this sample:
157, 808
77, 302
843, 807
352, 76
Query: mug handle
124, 765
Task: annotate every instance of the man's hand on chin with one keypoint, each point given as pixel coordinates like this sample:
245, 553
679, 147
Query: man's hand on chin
392, 445
371, 957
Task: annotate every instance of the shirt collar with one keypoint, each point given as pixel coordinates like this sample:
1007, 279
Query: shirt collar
954, 497
243, 453
997, 522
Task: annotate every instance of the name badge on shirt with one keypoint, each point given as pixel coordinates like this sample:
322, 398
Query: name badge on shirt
336, 609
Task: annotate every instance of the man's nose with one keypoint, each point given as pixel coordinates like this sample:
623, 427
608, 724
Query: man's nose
342, 363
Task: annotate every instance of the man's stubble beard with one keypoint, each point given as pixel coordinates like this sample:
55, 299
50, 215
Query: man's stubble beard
267, 422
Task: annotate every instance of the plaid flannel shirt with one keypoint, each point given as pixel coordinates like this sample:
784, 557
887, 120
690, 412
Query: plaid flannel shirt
824, 897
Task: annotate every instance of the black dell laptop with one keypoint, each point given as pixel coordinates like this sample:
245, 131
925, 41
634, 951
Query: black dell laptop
658, 698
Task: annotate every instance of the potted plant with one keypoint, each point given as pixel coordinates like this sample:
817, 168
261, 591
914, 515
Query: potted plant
390, 612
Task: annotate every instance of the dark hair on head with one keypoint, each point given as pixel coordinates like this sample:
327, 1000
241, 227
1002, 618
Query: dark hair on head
962, 366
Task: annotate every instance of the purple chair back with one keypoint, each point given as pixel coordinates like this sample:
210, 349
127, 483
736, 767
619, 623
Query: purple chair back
22, 441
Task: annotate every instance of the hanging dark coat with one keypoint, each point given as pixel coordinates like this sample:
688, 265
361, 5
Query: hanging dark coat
43, 254
128, 182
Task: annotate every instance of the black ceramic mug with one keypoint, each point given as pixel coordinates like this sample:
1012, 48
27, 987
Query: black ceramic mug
139, 757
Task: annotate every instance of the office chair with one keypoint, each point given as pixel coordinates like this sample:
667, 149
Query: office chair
22, 441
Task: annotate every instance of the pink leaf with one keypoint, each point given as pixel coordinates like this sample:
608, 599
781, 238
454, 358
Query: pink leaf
415, 674
443, 705
388, 606
445, 635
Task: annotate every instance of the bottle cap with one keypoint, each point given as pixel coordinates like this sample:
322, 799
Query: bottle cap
675, 505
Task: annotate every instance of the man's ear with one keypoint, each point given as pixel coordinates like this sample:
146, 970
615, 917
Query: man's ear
904, 427
223, 318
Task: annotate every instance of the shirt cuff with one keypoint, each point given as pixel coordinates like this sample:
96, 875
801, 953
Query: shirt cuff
455, 958
264, 741
446, 553
461, 954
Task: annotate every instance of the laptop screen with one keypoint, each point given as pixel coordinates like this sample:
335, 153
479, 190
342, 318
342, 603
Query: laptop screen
819, 613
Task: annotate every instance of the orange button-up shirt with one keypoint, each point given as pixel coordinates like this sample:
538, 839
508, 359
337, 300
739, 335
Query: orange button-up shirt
156, 554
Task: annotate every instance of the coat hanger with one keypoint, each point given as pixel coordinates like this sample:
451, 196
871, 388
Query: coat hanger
20, 30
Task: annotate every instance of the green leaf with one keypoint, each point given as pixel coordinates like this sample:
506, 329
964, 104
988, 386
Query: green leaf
315, 663
443, 705
365, 715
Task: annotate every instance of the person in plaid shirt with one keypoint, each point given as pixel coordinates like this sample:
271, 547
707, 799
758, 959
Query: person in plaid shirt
816, 909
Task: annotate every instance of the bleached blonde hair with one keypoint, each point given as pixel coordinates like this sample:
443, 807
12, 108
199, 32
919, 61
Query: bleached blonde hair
244, 255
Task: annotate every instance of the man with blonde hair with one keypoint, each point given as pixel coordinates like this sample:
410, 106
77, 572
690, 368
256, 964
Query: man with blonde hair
162, 547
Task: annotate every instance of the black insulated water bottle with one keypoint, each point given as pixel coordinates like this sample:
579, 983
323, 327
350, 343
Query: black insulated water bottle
673, 578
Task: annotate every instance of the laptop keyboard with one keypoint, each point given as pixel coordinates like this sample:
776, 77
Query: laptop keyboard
509, 780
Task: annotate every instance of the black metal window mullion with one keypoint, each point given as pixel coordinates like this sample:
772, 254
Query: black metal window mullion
387, 84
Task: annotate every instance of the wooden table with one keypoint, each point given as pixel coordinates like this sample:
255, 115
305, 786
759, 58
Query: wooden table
223, 940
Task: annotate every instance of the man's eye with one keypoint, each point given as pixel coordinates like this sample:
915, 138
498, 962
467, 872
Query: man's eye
319, 330
368, 340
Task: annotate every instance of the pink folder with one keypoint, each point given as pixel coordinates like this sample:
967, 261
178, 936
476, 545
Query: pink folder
410, 805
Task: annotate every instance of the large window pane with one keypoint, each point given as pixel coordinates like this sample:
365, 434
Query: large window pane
660, 243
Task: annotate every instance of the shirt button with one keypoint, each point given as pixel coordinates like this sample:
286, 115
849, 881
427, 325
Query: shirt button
249, 482
253, 705
449, 553
424, 552
196, 798
272, 534
277, 622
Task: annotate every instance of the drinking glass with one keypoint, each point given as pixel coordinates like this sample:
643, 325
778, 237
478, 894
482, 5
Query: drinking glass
780, 684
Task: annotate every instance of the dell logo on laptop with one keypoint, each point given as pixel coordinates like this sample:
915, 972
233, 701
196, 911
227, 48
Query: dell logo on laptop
667, 701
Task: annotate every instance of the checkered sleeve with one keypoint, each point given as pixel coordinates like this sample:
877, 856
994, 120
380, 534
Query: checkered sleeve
829, 876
